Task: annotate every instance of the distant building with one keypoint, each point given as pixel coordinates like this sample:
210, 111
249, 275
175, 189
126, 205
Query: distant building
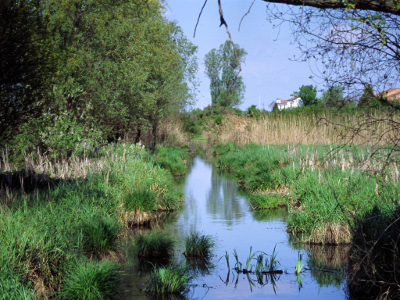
289, 103
390, 94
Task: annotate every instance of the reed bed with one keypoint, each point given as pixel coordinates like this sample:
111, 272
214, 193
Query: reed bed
308, 128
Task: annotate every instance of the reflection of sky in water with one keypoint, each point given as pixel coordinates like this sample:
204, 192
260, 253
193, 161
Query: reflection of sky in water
213, 207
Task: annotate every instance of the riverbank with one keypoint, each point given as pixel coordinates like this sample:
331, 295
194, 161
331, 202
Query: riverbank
326, 188
62, 223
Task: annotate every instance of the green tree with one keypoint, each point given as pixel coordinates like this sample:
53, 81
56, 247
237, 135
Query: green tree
222, 68
120, 67
367, 98
308, 94
334, 96
25, 64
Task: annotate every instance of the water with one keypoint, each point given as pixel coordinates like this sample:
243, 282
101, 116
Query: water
214, 206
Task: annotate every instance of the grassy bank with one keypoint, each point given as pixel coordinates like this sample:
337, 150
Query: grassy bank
324, 189
63, 237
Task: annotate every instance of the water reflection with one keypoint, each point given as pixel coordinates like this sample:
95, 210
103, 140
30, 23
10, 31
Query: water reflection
214, 207
223, 202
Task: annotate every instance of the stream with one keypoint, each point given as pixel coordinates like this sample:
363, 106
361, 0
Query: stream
214, 206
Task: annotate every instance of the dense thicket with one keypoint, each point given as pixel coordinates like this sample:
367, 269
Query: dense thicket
119, 67
24, 64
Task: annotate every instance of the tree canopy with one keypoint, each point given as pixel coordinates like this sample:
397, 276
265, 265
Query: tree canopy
222, 68
308, 94
118, 68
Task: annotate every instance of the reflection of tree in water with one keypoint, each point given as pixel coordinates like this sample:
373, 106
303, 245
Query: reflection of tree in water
327, 263
270, 214
222, 199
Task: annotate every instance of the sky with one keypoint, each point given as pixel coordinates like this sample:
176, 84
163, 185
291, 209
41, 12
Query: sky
268, 72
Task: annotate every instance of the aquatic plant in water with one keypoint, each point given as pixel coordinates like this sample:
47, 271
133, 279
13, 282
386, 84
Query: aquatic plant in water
154, 245
197, 245
172, 279
299, 265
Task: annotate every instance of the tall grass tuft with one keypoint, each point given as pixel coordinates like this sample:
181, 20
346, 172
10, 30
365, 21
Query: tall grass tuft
154, 245
91, 280
99, 235
169, 280
140, 200
197, 245
173, 159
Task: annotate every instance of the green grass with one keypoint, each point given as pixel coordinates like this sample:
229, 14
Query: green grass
99, 235
140, 200
198, 245
91, 280
173, 159
44, 234
169, 280
154, 245
12, 288
324, 187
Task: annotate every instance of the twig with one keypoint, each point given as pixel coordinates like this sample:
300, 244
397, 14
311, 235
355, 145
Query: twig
198, 19
246, 14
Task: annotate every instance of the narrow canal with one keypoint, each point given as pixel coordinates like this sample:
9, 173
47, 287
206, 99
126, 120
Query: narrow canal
214, 206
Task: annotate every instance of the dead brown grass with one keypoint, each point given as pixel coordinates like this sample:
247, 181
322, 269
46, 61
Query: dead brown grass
307, 129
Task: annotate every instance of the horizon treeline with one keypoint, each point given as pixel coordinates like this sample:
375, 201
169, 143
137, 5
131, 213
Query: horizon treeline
78, 72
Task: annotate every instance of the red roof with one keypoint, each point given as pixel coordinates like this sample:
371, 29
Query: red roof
291, 99
390, 94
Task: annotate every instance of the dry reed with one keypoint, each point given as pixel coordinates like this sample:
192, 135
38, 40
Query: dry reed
309, 129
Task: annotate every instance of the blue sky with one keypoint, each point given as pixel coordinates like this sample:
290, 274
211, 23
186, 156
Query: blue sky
268, 72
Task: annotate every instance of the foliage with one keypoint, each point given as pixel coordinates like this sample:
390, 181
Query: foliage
253, 112
154, 245
308, 94
173, 159
367, 98
334, 96
25, 65
117, 69
222, 67
197, 245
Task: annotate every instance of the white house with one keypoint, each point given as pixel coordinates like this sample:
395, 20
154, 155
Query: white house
289, 103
